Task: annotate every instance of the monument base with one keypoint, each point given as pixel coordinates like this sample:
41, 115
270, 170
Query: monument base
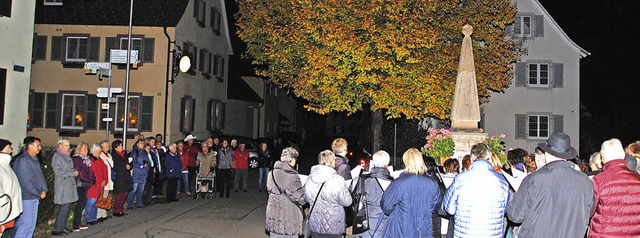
464, 140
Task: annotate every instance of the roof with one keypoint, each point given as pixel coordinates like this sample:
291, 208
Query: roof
238, 89
112, 12
582, 52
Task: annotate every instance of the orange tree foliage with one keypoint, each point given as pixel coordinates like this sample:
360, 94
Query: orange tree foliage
401, 56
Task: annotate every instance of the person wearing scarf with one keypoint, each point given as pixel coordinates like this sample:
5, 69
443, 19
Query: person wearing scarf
123, 183
85, 179
108, 160
64, 185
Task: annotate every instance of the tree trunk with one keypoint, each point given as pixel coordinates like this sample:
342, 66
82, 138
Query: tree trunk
377, 119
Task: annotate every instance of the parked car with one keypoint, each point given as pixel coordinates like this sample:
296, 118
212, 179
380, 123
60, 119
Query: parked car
252, 145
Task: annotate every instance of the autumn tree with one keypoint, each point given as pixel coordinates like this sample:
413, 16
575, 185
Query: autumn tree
399, 57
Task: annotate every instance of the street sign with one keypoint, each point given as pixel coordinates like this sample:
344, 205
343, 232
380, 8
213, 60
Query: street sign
103, 92
111, 100
94, 67
120, 56
104, 106
107, 119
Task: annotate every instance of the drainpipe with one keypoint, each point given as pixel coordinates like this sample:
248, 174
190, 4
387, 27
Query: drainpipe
166, 87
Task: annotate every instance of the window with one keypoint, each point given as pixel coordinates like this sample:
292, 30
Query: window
538, 75
3, 91
199, 11
205, 62
35, 119
522, 25
73, 111
136, 44
134, 113
77, 49
215, 20
53, 2
215, 115
538, 126
187, 111
39, 51
5, 8
218, 66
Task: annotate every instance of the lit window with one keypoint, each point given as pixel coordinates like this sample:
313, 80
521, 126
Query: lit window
134, 113
73, 111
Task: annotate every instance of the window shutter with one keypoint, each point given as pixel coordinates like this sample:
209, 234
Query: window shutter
558, 73
52, 110
539, 26
521, 126
521, 74
220, 113
182, 112
92, 112
56, 48
149, 47
5, 8
37, 112
201, 62
3, 90
110, 43
94, 49
41, 48
147, 113
196, 12
558, 123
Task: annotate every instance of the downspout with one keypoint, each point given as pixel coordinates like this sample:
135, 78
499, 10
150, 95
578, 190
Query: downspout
166, 88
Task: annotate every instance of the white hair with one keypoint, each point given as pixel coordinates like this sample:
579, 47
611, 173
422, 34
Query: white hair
612, 149
63, 140
95, 148
289, 154
380, 159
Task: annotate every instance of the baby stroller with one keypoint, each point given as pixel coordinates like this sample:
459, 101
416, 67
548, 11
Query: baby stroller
204, 186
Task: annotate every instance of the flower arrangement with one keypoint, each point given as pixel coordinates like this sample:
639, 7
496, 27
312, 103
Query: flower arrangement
439, 143
496, 146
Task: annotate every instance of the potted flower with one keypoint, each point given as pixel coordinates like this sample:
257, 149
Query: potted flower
439, 145
496, 146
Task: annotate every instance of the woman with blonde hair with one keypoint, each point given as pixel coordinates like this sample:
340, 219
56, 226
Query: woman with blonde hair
411, 199
633, 154
327, 194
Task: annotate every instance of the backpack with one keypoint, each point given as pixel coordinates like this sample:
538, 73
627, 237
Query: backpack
359, 207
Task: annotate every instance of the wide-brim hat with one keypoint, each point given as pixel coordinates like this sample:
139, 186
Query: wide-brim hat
189, 137
559, 145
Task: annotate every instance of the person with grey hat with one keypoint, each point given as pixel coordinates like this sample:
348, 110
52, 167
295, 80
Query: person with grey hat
555, 200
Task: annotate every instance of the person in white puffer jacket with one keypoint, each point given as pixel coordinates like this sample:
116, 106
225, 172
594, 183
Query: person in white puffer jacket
327, 218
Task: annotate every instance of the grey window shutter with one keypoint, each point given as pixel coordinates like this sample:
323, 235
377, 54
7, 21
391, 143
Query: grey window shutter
558, 72
220, 114
558, 123
149, 47
110, 43
94, 49
195, 8
521, 126
521, 74
539, 26
41, 48
56, 48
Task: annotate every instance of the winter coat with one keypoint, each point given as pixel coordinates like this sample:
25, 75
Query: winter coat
409, 202
85, 178
225, 156
328, 215
342, 167
264, 159
206, 163
9, 185
173, 165
100, 171
478, 198
241, 158
284, 215
140, 170
65, 183
108, 160
554, 201
124, 182
617, 212
374, 191
28, 171
189, 153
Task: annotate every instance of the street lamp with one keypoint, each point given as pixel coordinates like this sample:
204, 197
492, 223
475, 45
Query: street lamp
181, 62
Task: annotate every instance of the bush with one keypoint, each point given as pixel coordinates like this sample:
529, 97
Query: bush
47, 209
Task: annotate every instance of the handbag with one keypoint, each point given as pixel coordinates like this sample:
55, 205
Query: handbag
104, 203
360, 209
305, 222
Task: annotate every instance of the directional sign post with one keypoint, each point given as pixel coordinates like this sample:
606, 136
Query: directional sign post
94, 67
120, 56
106, 93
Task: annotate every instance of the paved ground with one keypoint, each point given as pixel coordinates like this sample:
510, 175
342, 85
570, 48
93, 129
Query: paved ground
242, 215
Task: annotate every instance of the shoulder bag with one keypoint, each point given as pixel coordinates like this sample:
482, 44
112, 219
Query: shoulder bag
104, 203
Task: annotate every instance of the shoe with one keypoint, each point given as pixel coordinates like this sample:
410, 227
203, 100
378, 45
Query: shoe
83, 227
244, 191
67, 230
101, 219
120, 214
235, 191
59, 233
92, 223
188, 194
141, 206
76, 228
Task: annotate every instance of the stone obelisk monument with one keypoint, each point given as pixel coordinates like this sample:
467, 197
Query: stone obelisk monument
465, 113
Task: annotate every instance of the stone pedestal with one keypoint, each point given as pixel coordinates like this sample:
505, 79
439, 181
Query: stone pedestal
464, 140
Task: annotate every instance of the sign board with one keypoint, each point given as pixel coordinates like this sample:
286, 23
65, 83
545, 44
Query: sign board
107, 119
94, 67
103, 92
104, 106
120, 56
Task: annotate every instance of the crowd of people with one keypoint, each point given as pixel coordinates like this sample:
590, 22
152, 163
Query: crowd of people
548, 193
91, 174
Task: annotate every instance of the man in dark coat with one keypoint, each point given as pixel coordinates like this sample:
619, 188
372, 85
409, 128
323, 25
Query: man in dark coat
555, 200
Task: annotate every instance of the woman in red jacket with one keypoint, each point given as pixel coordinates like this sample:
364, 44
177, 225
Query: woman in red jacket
99, 169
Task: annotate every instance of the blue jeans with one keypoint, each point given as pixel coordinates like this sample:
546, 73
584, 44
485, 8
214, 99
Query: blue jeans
184, 181
26, 222
262, 180
62, 216
80, 205
138, 189
90, 210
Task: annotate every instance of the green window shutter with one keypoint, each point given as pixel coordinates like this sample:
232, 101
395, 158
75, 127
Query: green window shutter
52, 110
521, 74
41, 48
110, 43
94, 49
149, 47
558, 123
539, 26
147, 114
521, 126
56, 48
558, 72
37, 111
92, 112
